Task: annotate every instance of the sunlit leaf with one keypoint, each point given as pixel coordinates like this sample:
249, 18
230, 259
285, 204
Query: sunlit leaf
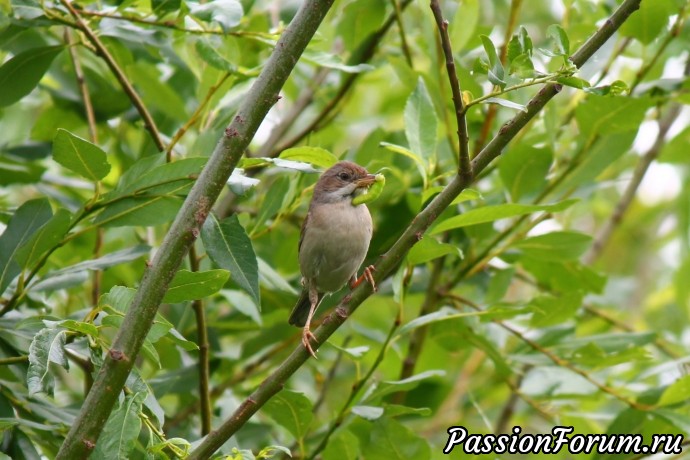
80, 156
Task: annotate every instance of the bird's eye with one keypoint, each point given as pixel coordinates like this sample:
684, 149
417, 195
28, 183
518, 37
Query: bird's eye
344, 176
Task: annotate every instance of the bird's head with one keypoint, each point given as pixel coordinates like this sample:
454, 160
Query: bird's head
342, 181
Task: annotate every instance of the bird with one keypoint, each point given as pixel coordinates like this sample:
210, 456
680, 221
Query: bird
334, 241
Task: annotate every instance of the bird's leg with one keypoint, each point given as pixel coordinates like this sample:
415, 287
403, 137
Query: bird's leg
367, 274
306, 332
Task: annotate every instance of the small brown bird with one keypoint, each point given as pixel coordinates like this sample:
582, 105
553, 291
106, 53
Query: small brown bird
334, 241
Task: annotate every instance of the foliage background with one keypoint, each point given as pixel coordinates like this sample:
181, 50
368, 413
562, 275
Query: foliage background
573, 314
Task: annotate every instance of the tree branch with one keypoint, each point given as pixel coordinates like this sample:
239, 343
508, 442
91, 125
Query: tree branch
414, 232
84, 433
464, 165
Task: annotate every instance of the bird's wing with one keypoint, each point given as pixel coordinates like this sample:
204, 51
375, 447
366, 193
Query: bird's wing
303, 231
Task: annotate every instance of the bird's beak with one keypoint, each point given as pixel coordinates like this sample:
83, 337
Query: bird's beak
366, 181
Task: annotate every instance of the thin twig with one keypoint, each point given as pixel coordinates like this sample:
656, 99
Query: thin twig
401, 29
464, 165
83, 89
202, 342
119, 74
195, 116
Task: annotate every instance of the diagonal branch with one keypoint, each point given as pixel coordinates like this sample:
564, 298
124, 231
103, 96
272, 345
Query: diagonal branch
464, 166
389, 261
87, 427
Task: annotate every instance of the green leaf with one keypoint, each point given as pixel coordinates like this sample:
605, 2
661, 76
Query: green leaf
456, 333
393, 386
79, 326
560, 39
332, 61
46, 347
20, 75
358, 20
522, 67
28, 218
342, 446
189, 285
505, 103
496, 72
228, 245
45, 238
443, 314
520, 45
648, 22
464, 23
15, 170
212, 57
227, 13
677, 392
550, 310
523, 170
163, 7
243, 303
496, 212
420, 123
676, 150
429, 249
120, 433
290, 410
108, 260
610, 114
367, 412
555, 246
315, 156
158, 179
419, 162
80, 156
574, 82
146, 211
392, 440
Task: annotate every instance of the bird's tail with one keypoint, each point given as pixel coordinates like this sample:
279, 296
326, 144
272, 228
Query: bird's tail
300, 311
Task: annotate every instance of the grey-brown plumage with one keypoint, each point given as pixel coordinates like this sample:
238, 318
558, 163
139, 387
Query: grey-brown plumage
334, 240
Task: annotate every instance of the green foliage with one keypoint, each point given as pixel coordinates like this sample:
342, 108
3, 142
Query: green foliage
516, 308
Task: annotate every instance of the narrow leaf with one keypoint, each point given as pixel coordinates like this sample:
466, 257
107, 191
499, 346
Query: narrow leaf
20, 75
228, 245
496, 212
29, 217
45, 238
189, 285
315, 156
420, 123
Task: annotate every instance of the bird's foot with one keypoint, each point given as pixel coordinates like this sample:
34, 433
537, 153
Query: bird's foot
368, 275
306, 337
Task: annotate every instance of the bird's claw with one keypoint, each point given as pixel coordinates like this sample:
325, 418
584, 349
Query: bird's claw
306, 337
369, 276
